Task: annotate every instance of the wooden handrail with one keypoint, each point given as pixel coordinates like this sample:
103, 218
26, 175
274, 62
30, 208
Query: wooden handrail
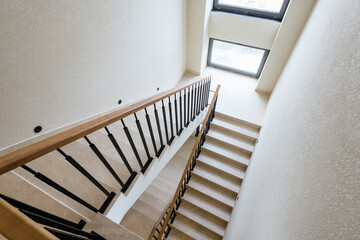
159, 220
16, 225
38, 149
189, 161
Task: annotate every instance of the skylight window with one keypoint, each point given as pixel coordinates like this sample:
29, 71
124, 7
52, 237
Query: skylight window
237, 58
273, 9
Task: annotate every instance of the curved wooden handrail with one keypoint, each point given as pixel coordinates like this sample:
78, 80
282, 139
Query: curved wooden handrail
189, 161
38, 149
158, 221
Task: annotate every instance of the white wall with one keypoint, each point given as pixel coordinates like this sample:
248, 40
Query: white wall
294, 20
62, 61
198, 12
304, 177
257, 32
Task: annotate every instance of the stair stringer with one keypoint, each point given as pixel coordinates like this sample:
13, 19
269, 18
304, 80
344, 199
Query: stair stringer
124, 202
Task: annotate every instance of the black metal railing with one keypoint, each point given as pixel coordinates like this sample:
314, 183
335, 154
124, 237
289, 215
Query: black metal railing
178, 108
200, 133
60, 227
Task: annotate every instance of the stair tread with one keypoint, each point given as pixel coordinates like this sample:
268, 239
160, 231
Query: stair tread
219, 150
201, 220
199, 171
239, 129
138, 223
240, 143
207, 207
147, 209
211, 193
175, 234
221, 166
237, 121
188, 230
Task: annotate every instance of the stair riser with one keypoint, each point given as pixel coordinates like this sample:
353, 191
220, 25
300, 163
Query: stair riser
225, 159
231, 146
238, 134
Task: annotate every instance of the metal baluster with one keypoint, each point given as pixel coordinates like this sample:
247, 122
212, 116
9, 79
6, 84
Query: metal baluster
188, 108
207, 92
165, 121
171, 123
176, 116
180, 119
61, 189
126, 130
138, 124
204, 96
17, 204
104, 161
185, 124
192, 103
162, 146
198, 100
118, 149
200, 97
151, 132
76, 165
70, 236
195, 99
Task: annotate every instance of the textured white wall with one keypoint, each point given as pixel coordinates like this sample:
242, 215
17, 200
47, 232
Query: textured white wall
62, 61
303, 181
256, 32
293, 23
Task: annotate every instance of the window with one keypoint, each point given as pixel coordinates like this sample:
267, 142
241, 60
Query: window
236, 57
272, 9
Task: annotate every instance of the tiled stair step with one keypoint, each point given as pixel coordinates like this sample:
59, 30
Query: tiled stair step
157, 203
237, 143
175, 234
238, 122
225, 153
193, 229
238, 129
216, 178
138, 223
109, 229
203, 218
209, 191
210, 205
147, 209
82, 153
14, 186
219, 165
122, 140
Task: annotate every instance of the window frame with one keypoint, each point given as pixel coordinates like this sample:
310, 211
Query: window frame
236, 70
252, 12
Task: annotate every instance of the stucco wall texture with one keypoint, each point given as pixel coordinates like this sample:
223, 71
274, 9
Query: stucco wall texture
63, 61
303, 181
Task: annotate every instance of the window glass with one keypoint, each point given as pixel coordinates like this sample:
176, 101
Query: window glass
236, 57
262, 5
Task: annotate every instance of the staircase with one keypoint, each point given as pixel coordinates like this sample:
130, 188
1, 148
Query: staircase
69, 182
143, 215
208, 193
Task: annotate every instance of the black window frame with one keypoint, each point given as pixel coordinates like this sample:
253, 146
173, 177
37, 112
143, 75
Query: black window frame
252, 12
236, 70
